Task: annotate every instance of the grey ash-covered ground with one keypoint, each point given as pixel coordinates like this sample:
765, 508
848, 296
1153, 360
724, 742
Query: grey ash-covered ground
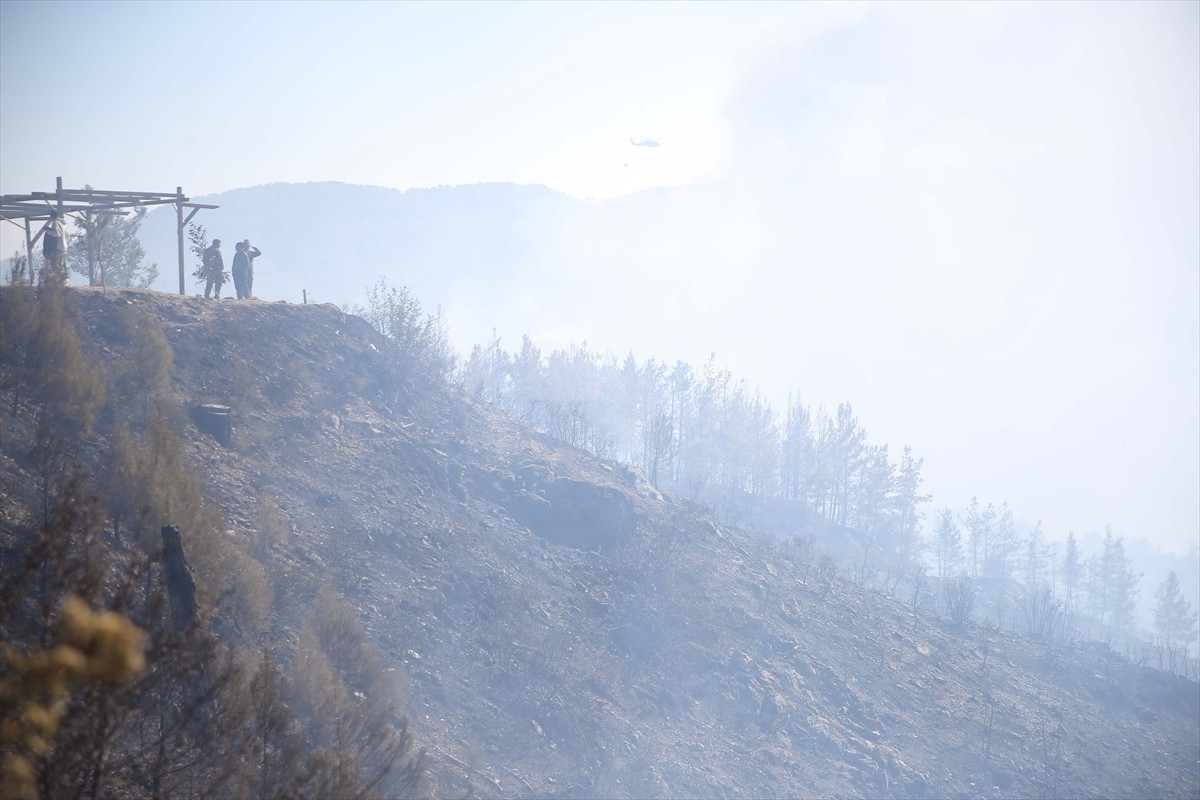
563, 630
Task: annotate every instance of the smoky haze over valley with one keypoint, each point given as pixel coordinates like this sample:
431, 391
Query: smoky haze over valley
975, 223
689, 399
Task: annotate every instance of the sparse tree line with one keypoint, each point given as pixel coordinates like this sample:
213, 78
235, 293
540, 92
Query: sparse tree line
983, 549
704, 435
105, 690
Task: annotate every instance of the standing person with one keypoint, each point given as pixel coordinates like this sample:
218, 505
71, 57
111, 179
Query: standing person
241, 264
214, 269
54, 247
251, 254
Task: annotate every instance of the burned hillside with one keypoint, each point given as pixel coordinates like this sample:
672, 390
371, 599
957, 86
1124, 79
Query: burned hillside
548, 623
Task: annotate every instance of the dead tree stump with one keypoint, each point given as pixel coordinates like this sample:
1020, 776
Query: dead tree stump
181, 584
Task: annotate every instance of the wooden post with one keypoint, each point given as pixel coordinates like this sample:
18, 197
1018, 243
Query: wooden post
59, 195
179, 230
90, 232
29, 253
304, 292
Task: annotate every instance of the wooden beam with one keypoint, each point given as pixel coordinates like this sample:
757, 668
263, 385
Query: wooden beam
83, 193
130, 204
92, 198
75, 204
43, 213
28, 254
179, 231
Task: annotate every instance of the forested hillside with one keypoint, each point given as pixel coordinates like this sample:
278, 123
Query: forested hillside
702, 435
401, 590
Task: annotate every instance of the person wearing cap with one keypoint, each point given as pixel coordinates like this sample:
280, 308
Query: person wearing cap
214, 269
240, 265
251, 254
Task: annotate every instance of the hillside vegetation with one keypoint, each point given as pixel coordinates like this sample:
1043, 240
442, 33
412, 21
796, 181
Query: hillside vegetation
403, 591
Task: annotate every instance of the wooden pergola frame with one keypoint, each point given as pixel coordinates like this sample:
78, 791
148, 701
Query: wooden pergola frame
37, 207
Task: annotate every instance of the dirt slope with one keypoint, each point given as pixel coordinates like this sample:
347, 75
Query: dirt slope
564, 630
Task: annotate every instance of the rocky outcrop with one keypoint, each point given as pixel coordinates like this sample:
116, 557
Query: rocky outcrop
573, 513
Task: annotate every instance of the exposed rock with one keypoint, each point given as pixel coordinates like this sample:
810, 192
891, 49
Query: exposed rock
215, 420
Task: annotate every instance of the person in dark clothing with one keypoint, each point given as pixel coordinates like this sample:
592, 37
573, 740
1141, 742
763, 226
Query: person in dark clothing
54, 246
214, 269
251, 254
241, 265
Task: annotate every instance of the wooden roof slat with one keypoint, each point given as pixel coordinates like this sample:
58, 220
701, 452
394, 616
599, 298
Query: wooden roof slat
30, 210
102, 193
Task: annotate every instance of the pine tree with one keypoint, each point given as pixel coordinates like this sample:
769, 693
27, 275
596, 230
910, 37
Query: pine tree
655, 430
1072, 572
949, 543
1173, 616
979, 524
681, 403
908, 517
798, 450
1002, 544
1124, 583
1033, 557
849, 444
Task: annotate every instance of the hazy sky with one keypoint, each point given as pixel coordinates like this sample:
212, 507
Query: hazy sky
979, 223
